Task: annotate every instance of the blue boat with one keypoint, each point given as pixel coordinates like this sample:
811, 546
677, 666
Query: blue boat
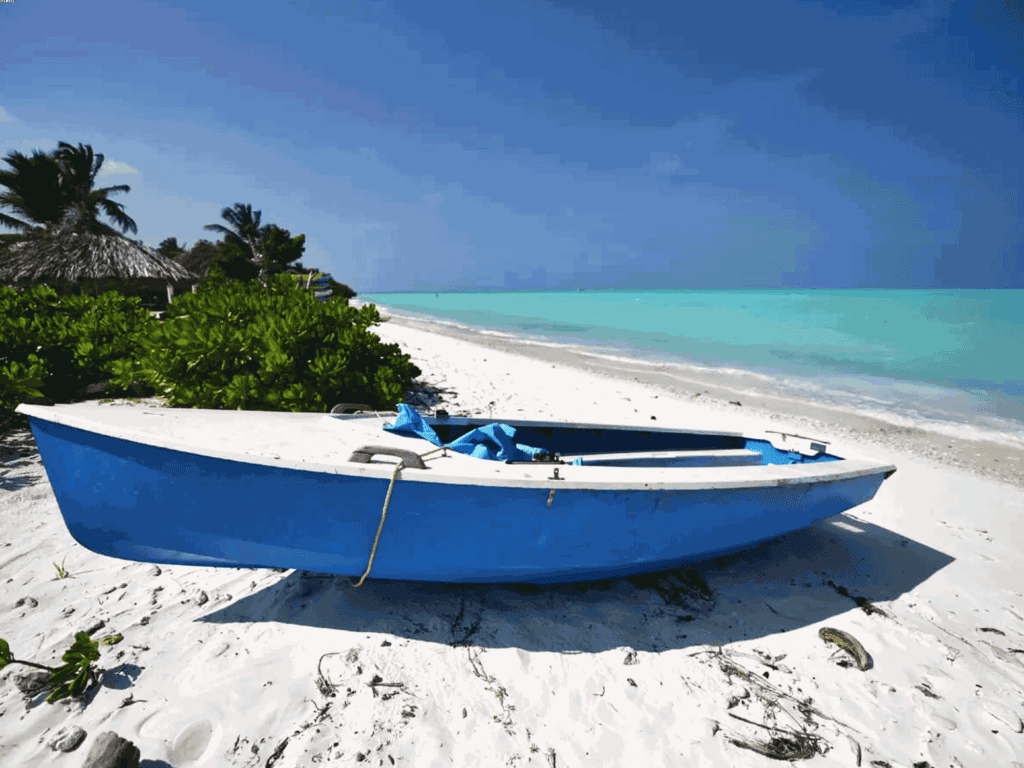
438, 498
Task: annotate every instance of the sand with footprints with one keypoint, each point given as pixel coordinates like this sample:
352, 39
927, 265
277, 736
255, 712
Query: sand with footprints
700, 667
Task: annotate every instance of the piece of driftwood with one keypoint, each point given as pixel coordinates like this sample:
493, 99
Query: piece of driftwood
111, 751
848, 643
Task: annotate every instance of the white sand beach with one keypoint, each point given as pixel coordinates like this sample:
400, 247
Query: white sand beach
246, 668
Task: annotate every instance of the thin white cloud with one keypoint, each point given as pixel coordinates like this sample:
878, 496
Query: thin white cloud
116, 168
669, 164
4, 117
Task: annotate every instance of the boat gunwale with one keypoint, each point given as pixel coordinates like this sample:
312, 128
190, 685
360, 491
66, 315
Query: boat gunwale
499, 474
523, 423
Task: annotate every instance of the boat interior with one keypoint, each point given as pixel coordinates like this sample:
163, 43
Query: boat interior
611, 446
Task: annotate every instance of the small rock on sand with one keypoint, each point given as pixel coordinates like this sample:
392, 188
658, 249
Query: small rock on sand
111, 751
31, 683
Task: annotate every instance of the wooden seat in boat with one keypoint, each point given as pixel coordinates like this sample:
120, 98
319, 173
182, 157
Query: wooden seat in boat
725, 458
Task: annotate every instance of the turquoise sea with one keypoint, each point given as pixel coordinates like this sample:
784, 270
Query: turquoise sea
950, 359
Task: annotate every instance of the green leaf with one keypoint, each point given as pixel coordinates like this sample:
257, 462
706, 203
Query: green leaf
80, 682
60, 680
84, 647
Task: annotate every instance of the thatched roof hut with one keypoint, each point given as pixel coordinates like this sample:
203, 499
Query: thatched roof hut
98, 261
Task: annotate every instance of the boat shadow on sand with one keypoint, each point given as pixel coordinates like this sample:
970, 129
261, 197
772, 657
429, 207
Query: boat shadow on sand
805, 577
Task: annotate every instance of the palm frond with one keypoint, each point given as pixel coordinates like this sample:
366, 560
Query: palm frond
246, 222
117, 188
11, 223
244, 232
80, 164
115, 212
34, 187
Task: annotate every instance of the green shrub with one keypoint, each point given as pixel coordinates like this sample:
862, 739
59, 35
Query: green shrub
236, 345
73, 677
53, 345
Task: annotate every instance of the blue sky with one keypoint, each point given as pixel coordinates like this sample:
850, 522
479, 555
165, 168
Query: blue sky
519, 144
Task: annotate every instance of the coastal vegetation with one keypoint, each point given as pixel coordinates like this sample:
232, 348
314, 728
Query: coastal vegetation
53, 346
75, 676
249, 335
240, 346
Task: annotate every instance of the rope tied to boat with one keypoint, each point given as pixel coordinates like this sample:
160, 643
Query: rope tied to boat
383, 515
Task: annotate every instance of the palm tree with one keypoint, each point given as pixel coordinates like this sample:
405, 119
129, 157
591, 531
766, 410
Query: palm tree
245, 233
79, 168
57, 211
33, 192
46, 188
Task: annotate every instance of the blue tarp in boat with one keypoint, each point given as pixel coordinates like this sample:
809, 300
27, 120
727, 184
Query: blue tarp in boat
495, 441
